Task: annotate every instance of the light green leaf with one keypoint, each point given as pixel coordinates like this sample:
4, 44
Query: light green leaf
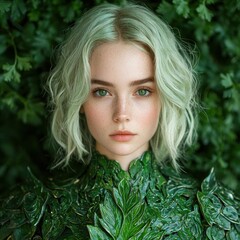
223, 223
209, 184
97, 234
231, 214
23, 63
226, 80
204, 12
233, 234
11, 74
215, 233
182, 7
122, 196
134, 218
111, 216
167, 10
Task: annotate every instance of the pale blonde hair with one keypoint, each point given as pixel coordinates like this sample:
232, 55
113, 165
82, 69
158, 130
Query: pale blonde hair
69, 81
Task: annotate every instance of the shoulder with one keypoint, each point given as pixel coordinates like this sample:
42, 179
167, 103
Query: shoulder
220, 208
216, 207
180, 183
22, 208
38, 210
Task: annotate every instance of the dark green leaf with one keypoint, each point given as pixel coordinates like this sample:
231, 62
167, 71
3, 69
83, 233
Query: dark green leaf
25, 232
32, 205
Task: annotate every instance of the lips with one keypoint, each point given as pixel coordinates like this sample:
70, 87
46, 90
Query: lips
122, 136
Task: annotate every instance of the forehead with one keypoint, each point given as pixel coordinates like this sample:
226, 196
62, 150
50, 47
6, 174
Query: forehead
117, 60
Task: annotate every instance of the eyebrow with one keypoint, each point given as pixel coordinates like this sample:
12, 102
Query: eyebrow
133, 83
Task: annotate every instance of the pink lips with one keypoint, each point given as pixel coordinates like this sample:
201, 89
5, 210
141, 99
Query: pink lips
122, 136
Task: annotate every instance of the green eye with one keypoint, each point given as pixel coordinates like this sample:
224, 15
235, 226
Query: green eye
101, 93
143, 92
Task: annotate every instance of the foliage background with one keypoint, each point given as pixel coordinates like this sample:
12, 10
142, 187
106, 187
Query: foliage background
31, 30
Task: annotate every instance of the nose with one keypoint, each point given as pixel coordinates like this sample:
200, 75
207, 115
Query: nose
122, 110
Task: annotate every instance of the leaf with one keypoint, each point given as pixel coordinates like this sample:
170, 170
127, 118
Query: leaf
211, 1
172, 226
192, 225
211, 207
226, 196
18, 9
23, 63
134, 219
122, 216
215, 233
167, 10
17, 219
97, 234
226, 80
34, 15
209, 184
4, 7
121, 196
204, 12
231, 214
4, 232
11, 74
53, 224
222, 222
233, 234
182, 7
32, 206
31, 113
36, 3
25, 232
111, 216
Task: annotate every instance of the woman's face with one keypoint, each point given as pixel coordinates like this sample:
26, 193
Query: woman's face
122, 110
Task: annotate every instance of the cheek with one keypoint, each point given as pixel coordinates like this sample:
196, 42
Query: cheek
152, 118
151, 115
95, 117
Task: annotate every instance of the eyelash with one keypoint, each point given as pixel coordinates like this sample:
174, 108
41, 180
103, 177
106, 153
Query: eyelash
96, 91
149, 92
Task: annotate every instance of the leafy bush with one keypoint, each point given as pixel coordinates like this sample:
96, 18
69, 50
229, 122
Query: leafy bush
29, 32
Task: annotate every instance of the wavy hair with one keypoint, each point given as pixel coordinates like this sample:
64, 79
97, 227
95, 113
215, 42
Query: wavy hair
69, 81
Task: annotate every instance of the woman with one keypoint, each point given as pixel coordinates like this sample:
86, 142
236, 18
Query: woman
123, 96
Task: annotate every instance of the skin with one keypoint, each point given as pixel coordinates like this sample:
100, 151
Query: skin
123, 106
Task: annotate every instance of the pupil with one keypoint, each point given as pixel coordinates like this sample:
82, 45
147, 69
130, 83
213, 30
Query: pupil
102, 92
142, 92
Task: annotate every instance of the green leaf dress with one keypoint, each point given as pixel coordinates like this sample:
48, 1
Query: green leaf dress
148, 202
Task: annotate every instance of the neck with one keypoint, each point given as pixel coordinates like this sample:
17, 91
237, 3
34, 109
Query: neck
124, 162
124, 159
